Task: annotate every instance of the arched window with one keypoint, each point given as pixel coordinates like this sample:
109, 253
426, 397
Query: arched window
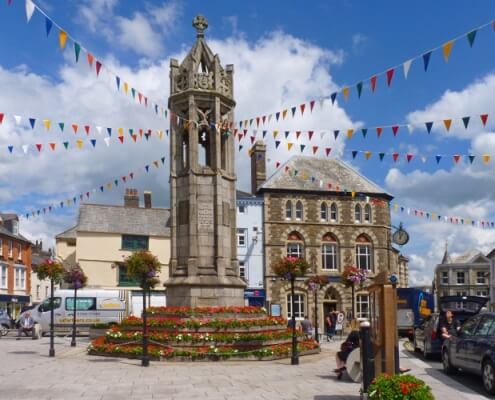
333, 212
364, 249
329, 253
357, 213
299, 211
323, 211
367, 213
299, 306
295, 245
288, 210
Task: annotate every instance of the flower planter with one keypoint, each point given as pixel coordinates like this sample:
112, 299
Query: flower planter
97, 332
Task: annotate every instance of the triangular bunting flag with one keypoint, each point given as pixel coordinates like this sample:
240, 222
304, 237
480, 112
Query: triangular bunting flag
336, 134
379, 131
390, 76
350, 133
75, 127
381, 155
447, 48
29, 9
426, 60
48, 25
277, 164
364, 131
98, 67
345, 92
484, 118
298, 133
277, 115
471, 159
126, 87
287, 133
277, 143
289, 146
284, 113
77, 50
39, 146
447, 123
93, 142
438, 158
107, 141
17, 119
395, 129
240, 147
62, 39
121, 138
328, 150
25, 148
465, 121
470, 37
373, 83
310, 135
302, 146
311, 105
86, 129
486, 158
354, 154
456, 157
53, 145
367, 155
90, 59
333, 96
395, 156
32, 122
359, 87
79, 143
409, 157
61, 125
11, 148
47, 123
429, 125
293, 109
66, 145
315, 149
109, 131
407, 67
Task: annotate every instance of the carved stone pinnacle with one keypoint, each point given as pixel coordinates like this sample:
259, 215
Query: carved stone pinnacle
200, 23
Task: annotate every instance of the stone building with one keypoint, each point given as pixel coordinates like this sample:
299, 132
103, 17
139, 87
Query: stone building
329, 214
466, 275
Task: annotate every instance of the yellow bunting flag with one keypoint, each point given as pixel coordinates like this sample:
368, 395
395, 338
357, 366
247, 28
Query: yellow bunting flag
345, 92
289, 145
69, 202
275, 134
79, 143
160, 134
486, 158
155, 163
447, 48
447, 123
62, 39
396, 206
121, 131
284, 114
109, 186
367, 154
47, 124
349, 133
126, 87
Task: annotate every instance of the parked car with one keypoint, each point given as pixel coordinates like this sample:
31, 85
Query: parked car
5, 322
427, 336
472, 349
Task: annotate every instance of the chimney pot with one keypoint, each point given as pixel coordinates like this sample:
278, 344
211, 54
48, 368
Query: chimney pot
258, 165
131, 198
147, 199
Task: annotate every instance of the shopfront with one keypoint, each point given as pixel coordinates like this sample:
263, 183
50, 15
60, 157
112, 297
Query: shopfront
14, 304
254, 297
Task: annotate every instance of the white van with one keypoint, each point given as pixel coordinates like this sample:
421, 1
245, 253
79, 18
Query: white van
94, 306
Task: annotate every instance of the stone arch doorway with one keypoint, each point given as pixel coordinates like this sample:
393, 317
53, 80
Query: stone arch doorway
332, 301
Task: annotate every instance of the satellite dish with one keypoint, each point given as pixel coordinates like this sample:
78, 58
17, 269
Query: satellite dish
353, 365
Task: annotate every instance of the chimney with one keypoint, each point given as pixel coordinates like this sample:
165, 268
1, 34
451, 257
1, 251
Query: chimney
258, 165
131, 198
147, 199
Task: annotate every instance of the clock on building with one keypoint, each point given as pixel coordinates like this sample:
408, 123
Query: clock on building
400, 236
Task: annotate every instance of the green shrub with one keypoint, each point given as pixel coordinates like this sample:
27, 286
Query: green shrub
405, 387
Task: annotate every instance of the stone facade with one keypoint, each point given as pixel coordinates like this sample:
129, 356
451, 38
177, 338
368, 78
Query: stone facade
204, 266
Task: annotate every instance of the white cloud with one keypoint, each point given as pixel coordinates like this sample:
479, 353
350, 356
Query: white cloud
137, 34
359, 42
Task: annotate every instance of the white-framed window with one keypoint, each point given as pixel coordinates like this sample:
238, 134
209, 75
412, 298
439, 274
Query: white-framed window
299, 306
11, 246
294, 249
3, 278
20, 277
363, 253
299, 211
461, 277
482, 293
242, 269
367, 213
362, 306
333, 212
357, 213
323, 212
288, 209
15, 227
242, 209
481, 278
241, 237
329, 253
19, 251
445, 277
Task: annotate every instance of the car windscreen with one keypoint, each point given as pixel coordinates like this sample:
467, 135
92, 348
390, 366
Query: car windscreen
468, 304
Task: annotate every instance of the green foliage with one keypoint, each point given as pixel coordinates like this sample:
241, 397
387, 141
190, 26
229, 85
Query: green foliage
50, 269
405, 387
143, 267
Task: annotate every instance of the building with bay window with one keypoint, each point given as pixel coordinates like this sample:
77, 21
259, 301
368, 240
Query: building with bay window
106, 234
331, 215
15, 266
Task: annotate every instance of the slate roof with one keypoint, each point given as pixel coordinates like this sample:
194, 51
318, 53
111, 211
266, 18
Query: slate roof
468, 257
243, 195
127, 220
333, 171
68, 234
7, 218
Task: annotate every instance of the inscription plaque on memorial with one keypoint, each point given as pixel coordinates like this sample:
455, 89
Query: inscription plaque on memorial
205, 217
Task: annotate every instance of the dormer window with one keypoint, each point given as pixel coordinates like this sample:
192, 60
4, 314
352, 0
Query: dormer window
15, 227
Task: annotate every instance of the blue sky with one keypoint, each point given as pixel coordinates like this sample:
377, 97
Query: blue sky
285, 53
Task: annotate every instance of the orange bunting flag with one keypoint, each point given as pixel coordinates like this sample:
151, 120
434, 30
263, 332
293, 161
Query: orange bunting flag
284, 114
302, 106
62, 39
457, 157
121, 138
134, 137
53, 145
79, 144
447, 48
345, 92
298, 133
47, 124
379, 131
373, 83
74, 127
315, 149
486, 158
367, 154
289, 146
447, 123
395, 156
90, 59
349, 133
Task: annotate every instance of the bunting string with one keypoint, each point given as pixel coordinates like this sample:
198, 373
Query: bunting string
371, 82
112, 184
64, 37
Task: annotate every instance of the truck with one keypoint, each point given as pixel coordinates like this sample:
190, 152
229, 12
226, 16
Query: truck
413, 305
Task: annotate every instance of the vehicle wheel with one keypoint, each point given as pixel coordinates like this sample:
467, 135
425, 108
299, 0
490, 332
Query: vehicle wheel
426, 354
447, 366
4, 330
488, 376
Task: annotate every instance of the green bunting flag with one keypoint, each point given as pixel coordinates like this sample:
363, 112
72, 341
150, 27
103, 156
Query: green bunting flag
470, 37
77, 50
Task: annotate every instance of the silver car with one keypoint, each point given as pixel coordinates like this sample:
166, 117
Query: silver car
5, 322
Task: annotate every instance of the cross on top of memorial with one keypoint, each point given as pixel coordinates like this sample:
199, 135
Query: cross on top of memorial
200, 23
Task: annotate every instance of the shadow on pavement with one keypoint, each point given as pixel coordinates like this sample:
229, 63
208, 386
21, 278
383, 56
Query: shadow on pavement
469, 383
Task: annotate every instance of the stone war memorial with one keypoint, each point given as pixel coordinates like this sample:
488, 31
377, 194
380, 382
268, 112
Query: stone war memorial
205, 318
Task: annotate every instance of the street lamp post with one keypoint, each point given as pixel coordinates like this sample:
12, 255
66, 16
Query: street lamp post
52, 347
73, 341
145, 360
317, 338
294, 359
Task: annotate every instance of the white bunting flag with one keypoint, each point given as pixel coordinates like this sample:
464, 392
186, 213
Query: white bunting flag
25, 148
18, 119
98, 128
107, 141
410, 128
29, 9
406, 66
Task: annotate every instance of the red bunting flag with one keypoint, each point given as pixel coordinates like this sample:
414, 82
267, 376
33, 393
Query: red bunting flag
257, 122
1, 117
121, 138
302, 106
328, 150
90, 59
277, 164
310, 134
134, 137
395, 129
311, 105
379, 131
98, 67
86, 128
286, 168
390, 75
131, 174
53, 145
395, 156
263, 118
39, 146
140, 97
484, 118
245, 132
253, 138
74, 127
409, 157
124, 178
141, 132
373, 83
315, 149
298, 133
329, 185
457, 157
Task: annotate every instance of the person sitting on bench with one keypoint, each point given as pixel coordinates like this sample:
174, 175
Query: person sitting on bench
26, 325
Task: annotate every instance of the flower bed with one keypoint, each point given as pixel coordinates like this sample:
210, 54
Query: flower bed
238, 312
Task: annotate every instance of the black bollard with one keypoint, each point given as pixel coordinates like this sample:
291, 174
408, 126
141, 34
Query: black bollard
367, 357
